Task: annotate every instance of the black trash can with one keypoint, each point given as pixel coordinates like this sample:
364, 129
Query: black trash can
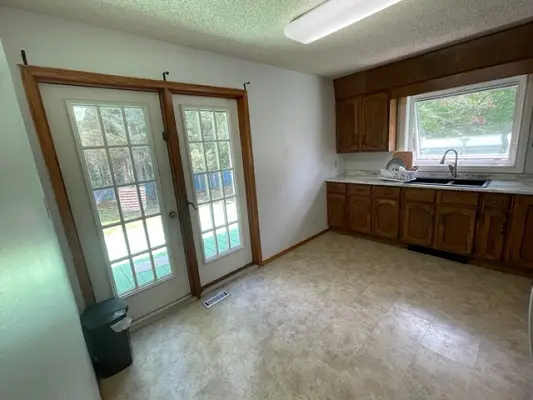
110, 350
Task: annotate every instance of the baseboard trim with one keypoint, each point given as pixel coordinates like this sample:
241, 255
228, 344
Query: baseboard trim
373, 238
223, 278
159, 313
276, 256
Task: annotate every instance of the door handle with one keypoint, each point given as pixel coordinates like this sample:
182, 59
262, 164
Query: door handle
192, 205
172, 214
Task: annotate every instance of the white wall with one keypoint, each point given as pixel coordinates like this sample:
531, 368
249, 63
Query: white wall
292, 114
366, 161
42, 350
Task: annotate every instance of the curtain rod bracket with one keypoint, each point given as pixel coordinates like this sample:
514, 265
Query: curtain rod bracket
165, 74
246, 84
24, 58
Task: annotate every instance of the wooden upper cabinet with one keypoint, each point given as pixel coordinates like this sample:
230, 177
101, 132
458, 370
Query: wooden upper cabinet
520, 248
374, 123
455, 229
417, 224
386, 214
360, 213
366, 123
347, 122
337, 210
491, 232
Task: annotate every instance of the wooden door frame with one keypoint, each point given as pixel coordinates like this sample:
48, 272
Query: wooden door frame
33, 75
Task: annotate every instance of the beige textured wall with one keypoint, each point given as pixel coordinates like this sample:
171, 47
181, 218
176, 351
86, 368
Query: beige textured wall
42, 350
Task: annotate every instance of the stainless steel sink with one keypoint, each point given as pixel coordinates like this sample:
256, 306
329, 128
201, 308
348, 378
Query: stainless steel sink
471, 182
451, 182
431, 181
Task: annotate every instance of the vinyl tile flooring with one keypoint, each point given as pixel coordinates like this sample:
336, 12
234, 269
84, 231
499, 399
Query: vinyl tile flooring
342, 318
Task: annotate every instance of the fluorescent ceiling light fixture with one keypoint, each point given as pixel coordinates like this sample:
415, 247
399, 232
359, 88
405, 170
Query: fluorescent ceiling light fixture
332, 16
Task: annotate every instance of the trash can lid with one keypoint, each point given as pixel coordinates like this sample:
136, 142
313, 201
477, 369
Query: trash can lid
104, 313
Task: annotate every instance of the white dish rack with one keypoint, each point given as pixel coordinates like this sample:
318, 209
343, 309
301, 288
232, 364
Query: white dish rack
401, 175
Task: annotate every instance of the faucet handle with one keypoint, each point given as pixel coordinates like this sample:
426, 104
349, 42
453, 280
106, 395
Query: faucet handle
451, 168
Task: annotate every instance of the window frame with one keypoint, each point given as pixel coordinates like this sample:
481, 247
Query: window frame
520, 137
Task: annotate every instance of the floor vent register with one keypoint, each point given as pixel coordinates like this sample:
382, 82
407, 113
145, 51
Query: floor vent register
217, 298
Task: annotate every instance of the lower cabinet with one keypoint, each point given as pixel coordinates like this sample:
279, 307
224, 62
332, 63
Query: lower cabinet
386, 214
455, 229
337, 210
491, 232
360, 213
462, 222
520, 248
417, 224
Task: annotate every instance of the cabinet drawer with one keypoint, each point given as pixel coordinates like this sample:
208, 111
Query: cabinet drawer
360, 189
386, 192
456, 197
496, 200
336, 188
419, 195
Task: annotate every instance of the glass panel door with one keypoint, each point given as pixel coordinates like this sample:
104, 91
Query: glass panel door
117, 153
212, 166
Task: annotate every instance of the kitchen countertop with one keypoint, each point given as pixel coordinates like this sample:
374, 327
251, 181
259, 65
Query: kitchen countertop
495, 186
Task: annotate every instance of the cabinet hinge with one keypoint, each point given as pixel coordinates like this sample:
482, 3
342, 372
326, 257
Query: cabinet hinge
165, 136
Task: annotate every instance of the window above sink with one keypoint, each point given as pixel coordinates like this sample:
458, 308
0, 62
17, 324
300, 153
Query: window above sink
488, 124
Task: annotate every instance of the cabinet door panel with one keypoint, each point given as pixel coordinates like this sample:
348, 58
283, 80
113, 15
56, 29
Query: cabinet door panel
520, 248
337, 210
360, 213
491, 234
374, 123
417, 224
386, 213
347, 115
455, 228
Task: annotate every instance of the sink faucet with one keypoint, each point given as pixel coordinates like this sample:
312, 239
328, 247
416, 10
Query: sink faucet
453, 168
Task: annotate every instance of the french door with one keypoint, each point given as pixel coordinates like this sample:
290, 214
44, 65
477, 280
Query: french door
211, 153
117, 174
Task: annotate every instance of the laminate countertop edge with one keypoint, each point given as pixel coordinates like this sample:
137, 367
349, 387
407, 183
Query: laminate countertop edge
495, 186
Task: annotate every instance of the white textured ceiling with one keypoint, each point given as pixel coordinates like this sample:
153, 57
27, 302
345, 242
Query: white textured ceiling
253, 29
